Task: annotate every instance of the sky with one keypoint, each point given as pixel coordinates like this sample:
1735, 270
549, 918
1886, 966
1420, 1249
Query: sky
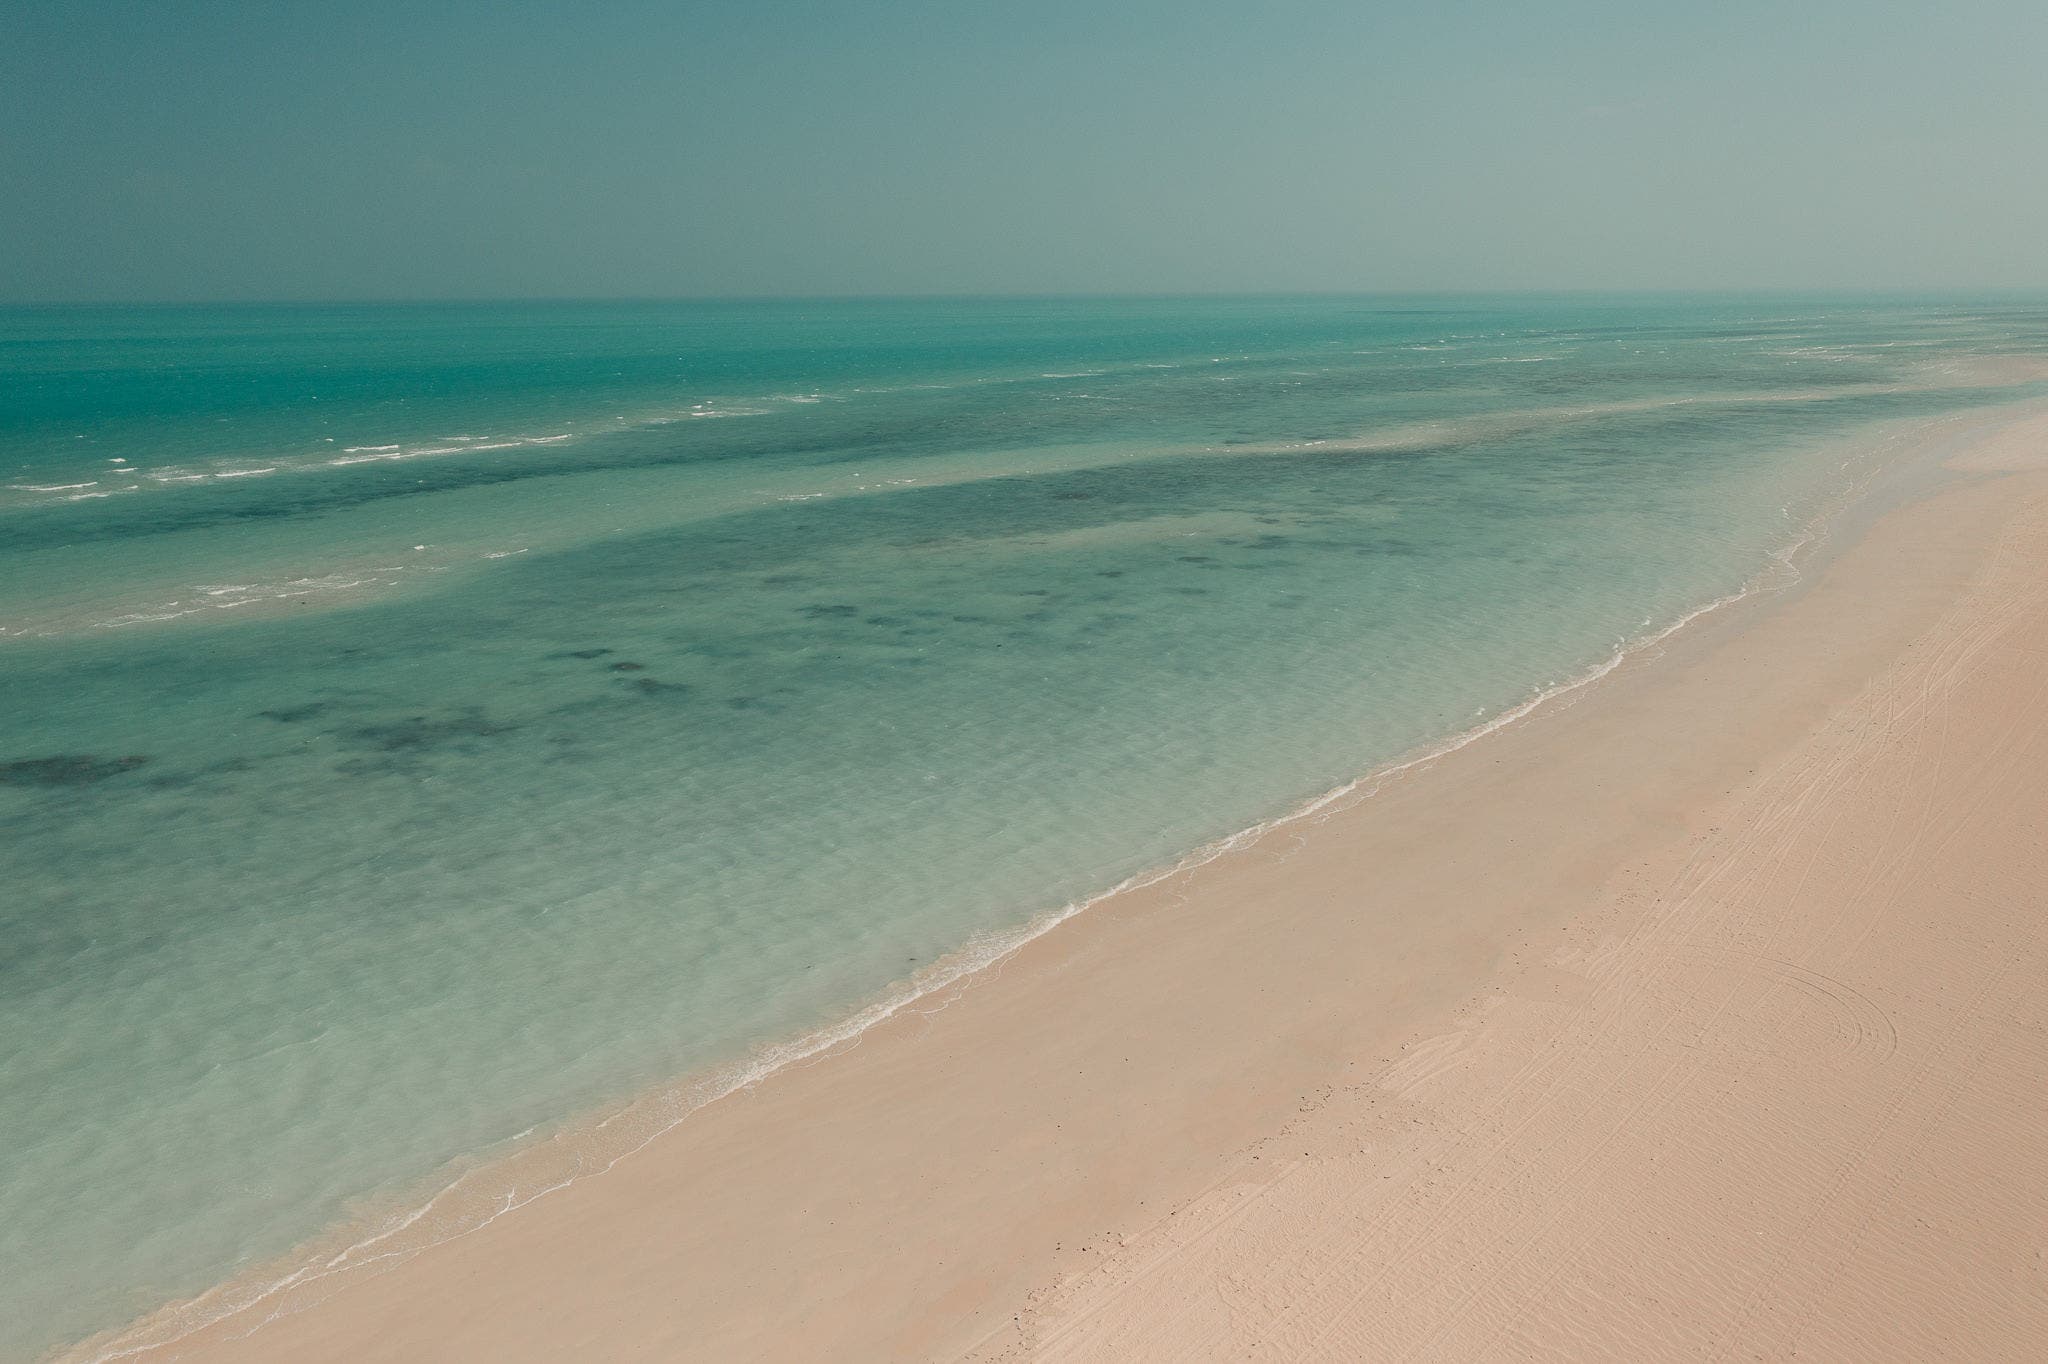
177, 150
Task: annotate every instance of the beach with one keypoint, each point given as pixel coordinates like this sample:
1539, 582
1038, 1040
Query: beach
1303, 683
449, 745
1699, 1013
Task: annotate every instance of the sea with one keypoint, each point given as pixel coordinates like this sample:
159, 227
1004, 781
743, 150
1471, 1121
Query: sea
434, 734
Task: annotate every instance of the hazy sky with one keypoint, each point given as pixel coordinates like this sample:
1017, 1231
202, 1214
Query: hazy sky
422, 149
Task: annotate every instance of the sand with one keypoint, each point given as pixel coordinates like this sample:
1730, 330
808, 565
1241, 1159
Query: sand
1702, 1014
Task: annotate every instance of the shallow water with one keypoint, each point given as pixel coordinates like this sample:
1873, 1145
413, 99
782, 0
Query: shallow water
428, 724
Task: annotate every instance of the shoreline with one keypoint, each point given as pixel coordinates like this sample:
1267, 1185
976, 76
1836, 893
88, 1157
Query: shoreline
1034, 951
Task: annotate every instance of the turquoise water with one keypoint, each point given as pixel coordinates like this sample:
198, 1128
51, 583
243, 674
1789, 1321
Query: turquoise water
429, 724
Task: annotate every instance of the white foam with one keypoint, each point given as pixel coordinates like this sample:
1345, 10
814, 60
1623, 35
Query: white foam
234, 596
143, 617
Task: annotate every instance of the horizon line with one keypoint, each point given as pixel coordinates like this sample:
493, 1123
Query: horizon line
969, 296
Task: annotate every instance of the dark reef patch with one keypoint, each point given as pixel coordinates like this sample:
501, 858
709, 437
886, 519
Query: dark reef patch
580, 653
417, 733
66, 769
